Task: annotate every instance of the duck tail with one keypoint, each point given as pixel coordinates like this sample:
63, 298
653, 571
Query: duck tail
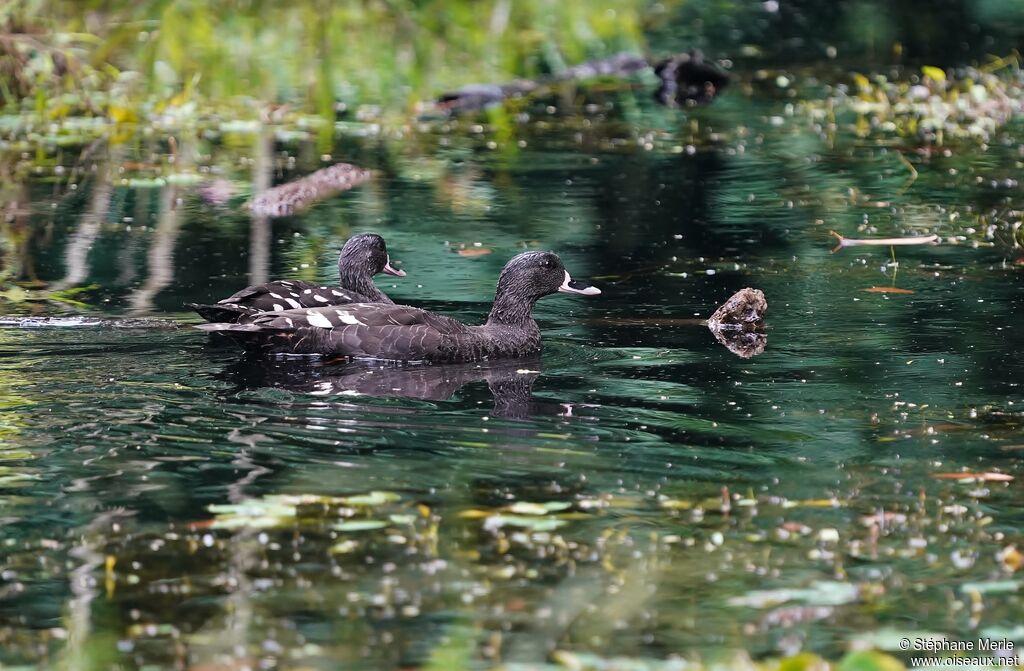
222, 313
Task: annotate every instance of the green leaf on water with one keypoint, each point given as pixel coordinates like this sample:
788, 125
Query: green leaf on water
991, 587
820, 593
360, 525
523, 522
344, 547
402, 519
374, 498
529, 508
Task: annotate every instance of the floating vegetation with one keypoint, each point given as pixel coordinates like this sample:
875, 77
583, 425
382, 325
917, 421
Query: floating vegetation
284, 510
888, 290
645, 501
934, 107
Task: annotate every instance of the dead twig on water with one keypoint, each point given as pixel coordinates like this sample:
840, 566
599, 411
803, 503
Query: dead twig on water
883, 242
913, 173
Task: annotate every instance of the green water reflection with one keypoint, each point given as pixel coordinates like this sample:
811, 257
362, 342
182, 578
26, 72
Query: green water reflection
636, 492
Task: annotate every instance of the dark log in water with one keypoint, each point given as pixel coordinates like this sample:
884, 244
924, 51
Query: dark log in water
685, 78
296, 196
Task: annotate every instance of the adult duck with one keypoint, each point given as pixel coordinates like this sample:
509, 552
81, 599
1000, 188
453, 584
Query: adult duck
403, 333
362, 257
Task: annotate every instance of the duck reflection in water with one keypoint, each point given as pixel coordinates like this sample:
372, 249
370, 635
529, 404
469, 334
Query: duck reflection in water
510, 381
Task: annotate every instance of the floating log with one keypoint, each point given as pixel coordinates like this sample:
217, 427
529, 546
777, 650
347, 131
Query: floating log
296, 196
685, 79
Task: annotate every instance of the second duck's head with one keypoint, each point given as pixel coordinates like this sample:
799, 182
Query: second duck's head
532, 275
366, 253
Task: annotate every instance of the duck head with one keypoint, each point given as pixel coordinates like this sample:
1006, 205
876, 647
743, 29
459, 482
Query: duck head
529, 277
366, 253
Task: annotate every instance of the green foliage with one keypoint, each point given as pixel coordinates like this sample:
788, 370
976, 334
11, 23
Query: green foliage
311, 53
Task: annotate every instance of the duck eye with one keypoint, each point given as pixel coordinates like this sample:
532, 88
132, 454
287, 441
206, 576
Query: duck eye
546, 263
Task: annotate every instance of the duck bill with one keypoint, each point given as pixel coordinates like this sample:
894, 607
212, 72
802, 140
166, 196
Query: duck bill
391, 270
571, 286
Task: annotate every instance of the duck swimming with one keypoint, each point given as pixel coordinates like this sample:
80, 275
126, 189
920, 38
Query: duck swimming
403, 333
362, 257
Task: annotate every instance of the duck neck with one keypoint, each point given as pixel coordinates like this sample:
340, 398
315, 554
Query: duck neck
511, 309
362, 283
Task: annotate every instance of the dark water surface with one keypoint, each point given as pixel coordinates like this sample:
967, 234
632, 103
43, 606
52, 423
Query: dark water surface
637, 491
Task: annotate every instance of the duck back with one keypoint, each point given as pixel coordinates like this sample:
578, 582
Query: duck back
371, 330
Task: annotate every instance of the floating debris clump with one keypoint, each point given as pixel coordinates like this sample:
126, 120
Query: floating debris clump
738, 323
935, 107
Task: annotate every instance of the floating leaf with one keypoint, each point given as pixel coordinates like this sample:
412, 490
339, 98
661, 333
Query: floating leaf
473, 251
344, 547
528, 508
360, 525
821, 593
374, 498
185, 178
813, 503
991, 587
887, 290
402, 519
254, 514
532, 523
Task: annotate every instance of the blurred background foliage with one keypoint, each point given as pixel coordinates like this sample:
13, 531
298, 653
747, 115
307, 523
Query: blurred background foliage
311, 52
122, 58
